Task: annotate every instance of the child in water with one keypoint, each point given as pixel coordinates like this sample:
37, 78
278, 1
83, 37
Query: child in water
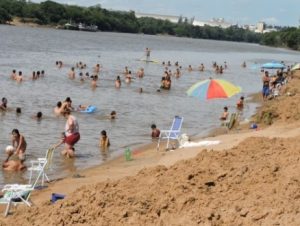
155, 131
104, 140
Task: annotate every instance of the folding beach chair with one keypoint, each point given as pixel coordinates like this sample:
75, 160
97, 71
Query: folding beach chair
231, 121
173, 133
40, 166
15, 194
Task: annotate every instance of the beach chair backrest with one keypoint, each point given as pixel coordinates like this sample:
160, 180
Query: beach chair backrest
176, 127
49, 156
232, 120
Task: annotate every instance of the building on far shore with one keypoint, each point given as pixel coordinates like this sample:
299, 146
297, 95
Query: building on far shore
260, 27
215, 22
173, 19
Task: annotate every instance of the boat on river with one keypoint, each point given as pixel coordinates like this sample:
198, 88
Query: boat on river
81, 27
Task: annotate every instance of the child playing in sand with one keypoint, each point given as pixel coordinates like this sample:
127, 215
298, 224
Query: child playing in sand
104, 140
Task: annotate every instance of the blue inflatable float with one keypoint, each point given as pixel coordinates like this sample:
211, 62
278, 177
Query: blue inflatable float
89, 109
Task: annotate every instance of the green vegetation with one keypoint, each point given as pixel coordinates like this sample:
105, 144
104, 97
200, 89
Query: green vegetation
52, 13
288, 37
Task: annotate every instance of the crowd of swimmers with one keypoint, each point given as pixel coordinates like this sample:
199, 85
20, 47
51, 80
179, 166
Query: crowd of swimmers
65, 108
16, 152
18, 76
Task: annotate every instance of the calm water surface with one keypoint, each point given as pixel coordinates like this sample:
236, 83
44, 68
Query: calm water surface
30, 49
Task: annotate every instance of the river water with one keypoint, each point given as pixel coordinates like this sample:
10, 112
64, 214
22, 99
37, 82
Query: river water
32, 49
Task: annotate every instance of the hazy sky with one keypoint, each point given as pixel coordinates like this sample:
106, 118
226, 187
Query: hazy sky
274, 12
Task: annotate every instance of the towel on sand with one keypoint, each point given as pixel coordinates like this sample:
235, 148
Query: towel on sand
199, 144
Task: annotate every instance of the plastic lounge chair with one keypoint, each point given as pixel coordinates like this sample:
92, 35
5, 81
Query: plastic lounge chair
15, 194
41, 165
230, 123
173, 133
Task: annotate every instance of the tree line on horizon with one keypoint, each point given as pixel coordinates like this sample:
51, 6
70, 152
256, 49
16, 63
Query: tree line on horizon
287, 37
53, 13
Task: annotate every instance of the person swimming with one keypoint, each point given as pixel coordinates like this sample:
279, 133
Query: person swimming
13, 75
71, 73
118, 82
18, 110
113, 115
38, 116
128, 77
58, 109
3, 105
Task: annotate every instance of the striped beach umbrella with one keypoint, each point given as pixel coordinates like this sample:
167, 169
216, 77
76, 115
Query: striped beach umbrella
213, 89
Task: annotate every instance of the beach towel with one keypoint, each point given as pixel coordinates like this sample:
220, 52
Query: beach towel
199, 144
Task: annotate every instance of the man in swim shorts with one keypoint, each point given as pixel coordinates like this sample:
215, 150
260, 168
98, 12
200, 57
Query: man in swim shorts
72, 135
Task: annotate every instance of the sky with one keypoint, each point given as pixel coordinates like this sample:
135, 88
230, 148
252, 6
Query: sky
241, 12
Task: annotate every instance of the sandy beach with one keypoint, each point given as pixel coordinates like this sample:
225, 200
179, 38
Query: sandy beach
249, 178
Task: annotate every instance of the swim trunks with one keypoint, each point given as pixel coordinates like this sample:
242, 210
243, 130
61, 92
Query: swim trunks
265, 91
72, 139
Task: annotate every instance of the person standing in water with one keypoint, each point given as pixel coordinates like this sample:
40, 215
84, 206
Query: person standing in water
72, 134
148, 51
3, 105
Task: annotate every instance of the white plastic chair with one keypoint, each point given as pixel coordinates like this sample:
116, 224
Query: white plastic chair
173, 133
41, 165
15, 194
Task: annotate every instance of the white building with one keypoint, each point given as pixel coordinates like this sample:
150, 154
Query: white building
173, 19
260, 27
215, 22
